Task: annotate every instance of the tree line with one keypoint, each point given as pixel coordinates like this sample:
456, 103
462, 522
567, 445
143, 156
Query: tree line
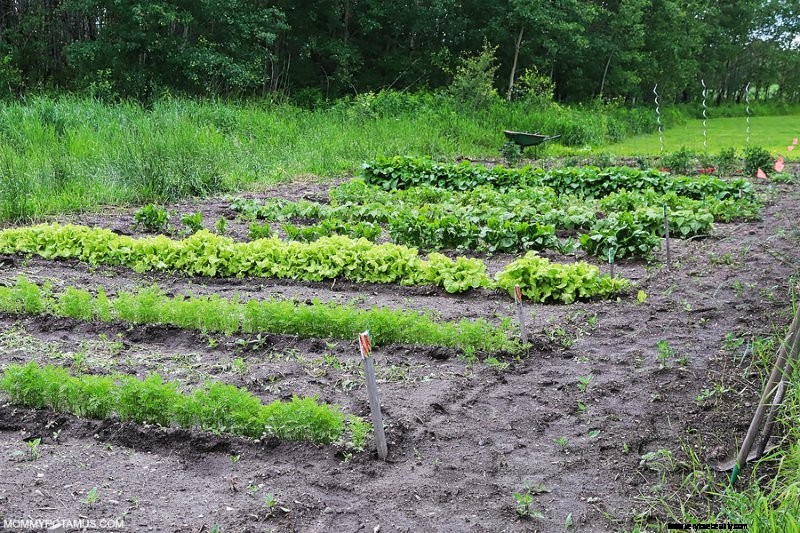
322, 49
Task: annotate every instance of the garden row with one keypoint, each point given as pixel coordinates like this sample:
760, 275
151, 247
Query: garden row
213, 314
206, 254
617, 212
214, 406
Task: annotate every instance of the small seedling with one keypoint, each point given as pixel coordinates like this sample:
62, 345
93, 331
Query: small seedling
664, 354
32, 453
193, 223
583, 408
239, 365
524, 501
221, 226
152, 218
259, 231
91, 496
738, 287
583, 382
272, 504
496, 363
659, 461
235, 458
562, 443
641, 296
706, 394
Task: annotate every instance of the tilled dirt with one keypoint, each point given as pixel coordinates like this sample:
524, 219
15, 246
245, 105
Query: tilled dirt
463, 438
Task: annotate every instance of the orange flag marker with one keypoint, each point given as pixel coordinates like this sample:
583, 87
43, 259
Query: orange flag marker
779, 164
761, 174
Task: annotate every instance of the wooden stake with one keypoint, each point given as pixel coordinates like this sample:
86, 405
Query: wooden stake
374, 398
666, 238
523, 333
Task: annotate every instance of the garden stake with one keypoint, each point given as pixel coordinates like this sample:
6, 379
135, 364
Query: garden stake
611, 261
778, 399
666, 238
372, 390
777, 373
520, 315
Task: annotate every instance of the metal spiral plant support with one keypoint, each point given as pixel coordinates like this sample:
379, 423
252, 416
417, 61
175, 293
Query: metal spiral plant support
747, 109
705, 129
658, 120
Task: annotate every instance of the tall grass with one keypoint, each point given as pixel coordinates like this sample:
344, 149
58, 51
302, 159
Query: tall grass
71, 154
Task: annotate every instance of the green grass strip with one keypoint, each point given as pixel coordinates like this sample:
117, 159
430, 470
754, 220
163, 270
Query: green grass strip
207, 254
229, 316
215, 406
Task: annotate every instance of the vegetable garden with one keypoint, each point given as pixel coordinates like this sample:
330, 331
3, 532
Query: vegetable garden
179, 355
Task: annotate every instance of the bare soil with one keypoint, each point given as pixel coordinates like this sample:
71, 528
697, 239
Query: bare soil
462, 437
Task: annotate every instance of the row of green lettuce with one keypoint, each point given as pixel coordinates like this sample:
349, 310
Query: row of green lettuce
214, 314
206, 254
214, 406
622, 223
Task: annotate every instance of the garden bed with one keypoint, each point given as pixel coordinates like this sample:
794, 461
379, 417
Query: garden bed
603, 384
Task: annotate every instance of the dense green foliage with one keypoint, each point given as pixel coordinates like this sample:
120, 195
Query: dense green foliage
206, 254
520, 209
229, 316
321, 49
400, 172
541, 281
212, 407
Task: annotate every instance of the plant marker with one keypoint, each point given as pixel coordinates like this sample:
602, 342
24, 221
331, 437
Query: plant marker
611, 261
779, 164
787, 349
520, 315
372, 390
794, 141
790, 148
759, 174
666, 236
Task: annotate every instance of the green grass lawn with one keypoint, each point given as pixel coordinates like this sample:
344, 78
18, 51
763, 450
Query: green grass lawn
772, 133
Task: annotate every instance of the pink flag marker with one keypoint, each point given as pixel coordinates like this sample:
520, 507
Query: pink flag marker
779, 164
794, 141
761, 174
790, 147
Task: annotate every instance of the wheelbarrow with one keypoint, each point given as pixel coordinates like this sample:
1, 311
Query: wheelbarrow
524, 139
